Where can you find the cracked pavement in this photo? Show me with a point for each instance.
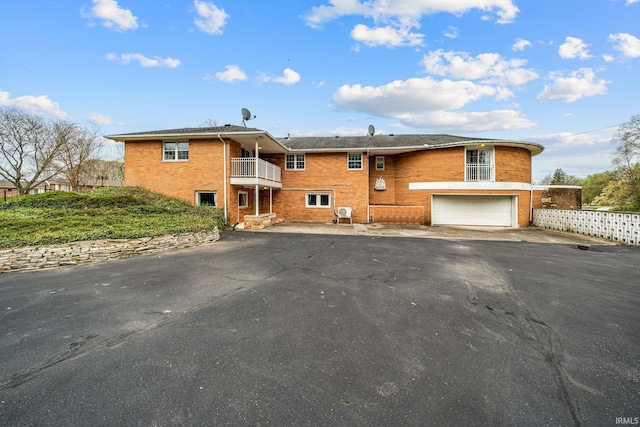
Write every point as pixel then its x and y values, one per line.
pixel 317 329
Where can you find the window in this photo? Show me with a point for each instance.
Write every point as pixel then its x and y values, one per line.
pixel 176 151
pixel 354 161
pixel 245 153
pixel 294 161
pixel 243 199
pixel 206 198
pixel 318 200
pixel 479 165
pixel 379 163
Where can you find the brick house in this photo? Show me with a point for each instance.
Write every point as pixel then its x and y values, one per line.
pixel 396 179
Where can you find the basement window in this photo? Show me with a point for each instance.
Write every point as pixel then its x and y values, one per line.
pixel 318 200
pixel 243 199
pixel 206 198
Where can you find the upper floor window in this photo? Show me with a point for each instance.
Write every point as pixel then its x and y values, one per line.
pixel 176 151
pixel 379 163
pixel 294 161
pixel 354 161
pixel 479 165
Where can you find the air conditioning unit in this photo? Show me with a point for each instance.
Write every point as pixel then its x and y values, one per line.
pixel 344 212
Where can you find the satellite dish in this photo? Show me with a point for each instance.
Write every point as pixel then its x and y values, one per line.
pixel 371 131
pixel 246 115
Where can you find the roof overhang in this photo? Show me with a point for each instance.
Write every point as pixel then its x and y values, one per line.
pixel 535 149
pixel 247 139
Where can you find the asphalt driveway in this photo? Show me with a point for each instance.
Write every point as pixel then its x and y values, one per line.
pixel 277 328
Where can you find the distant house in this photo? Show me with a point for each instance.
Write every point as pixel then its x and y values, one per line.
pixel 396 179
pixel 7 189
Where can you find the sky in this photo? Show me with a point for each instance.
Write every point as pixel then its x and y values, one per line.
pixel 561 73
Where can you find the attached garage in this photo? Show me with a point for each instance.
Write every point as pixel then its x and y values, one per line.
pixel 500 211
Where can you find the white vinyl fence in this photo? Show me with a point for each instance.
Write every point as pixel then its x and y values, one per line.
pixel 623 227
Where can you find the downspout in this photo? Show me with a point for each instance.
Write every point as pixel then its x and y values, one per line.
pixel 224 172
pixel 368 218
pixel 530 191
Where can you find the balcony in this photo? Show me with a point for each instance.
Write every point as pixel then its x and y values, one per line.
pixel 479 172
pixel 252 171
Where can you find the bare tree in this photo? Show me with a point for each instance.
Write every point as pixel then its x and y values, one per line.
pixel 27 149
pixel 77 145
pixel 97 170
pixel 626 158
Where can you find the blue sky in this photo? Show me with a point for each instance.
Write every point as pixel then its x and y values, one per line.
pixel 561 73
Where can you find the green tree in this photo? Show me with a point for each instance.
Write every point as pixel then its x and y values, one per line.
pixel 593 185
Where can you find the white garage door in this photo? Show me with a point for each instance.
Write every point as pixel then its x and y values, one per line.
pixel 473 210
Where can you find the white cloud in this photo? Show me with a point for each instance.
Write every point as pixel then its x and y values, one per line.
pixel 386 36
pixel 112 15
pixel 451 32
pixel 288 78
pixel 231 74
pixel 156 61
pixel 520 45
pixel 33 104
pixel 100 119
pixel 385 10
pixel 631 2
pixel 627 44
pixel 579 84
pixel 427 103
pixel 486 67
pixel 211 19
pixel 572 48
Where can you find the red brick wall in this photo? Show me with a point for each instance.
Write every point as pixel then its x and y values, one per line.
pixel 513 164
pixel 324 173
pixel 557 198
pixel 388 196
pixel 408 215
pixel 203 172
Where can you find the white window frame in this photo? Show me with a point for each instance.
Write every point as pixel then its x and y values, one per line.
pixel 176 151
pixel 318 200
pixel 379 163
pixel 215 198
pixel 480 171
pixel 246 199
pixel 351 158
pixel 298 159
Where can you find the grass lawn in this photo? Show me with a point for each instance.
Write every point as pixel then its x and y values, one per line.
pixel 106 213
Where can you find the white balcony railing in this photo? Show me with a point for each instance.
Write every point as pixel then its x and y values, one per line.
pixel 250 167
pixel 479 172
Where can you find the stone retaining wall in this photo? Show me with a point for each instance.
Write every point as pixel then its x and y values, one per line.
pixel 75 253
